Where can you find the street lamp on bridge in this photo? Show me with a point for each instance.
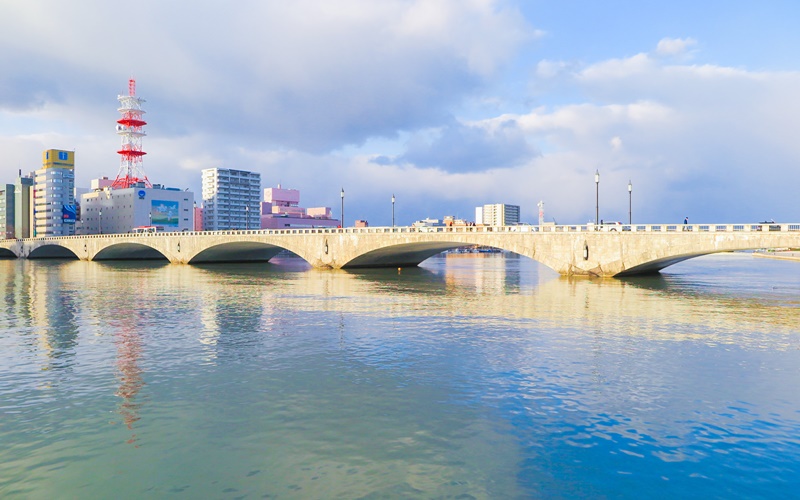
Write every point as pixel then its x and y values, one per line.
pixel 392 209
pixel 630 203
pixel 342 207
pixel 596 197
pixel 100 222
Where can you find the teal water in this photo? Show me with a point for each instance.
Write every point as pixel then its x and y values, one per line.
pixel 470 377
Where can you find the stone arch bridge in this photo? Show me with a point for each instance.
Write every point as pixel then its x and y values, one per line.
pixel 569 250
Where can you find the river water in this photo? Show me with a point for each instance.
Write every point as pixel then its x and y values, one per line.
pixel 483 376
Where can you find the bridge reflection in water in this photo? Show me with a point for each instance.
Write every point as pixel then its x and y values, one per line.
pixel 489 289
pixel 569 250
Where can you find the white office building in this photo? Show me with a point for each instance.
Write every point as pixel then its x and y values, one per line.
pixel 54 210
pixel 497 214
pixel 111 211
pixel 231 199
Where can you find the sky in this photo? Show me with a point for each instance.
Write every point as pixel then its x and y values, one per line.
pixel 445 104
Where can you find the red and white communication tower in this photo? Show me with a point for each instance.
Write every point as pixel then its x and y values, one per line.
pixel 129 127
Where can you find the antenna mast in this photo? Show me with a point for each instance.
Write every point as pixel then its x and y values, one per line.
pixel 129 128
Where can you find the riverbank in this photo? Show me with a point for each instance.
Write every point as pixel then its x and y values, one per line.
pixel 783 255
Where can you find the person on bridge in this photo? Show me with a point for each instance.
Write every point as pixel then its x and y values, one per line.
pixel 686 220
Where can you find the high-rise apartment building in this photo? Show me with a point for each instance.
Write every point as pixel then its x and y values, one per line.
pixel 231 199
pixel 497 214
pixel 54 194
pixel 6 211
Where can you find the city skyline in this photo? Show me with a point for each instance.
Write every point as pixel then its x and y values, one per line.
pixel 445 105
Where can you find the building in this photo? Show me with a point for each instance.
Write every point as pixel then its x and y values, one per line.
pixel 23 206
pixel 105 210
pixel 54 210
pixel 281 209
pixel 497 214
pixel 198 217
pixel 429 222
pixel 230 199
pixel 452 220
pixel 6 211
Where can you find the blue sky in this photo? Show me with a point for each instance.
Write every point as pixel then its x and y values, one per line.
pixel 447 104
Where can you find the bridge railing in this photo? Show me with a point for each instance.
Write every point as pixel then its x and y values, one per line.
pixel 523 228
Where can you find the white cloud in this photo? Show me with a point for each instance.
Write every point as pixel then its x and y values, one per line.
pixel 698 138
pixel 671 47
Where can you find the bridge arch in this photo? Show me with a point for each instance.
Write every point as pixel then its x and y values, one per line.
pixel 405 254
pixel 237 251
pixel 52 250
pixel 129 250
pixel 7 253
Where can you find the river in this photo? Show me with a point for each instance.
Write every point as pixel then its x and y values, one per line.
pixel 477 376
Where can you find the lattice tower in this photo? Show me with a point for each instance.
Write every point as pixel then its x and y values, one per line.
pixel 129 128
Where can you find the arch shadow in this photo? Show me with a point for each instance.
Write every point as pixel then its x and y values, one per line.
pixel 402 255
pixel 237 251
pixel 129 251
pixel 52 251
pixel 5 253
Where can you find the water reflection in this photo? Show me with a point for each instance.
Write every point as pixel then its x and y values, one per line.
pixel 45 305
pixel 252 297
pixel 131 381
pixel 382 382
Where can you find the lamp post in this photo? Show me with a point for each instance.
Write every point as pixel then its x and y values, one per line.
pixel 392 209
pixel 246 217
pixel 630 202
pixel 150 218
pixel 342 207
pixel 596 197
pixel 100 222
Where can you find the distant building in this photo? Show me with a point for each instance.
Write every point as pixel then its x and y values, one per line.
pixel 23 206
pixel 230 199
pixel 198 218
pixel 428 223
pixel 362 223
pixel 498 214
pixel 281 210
pixel 55 212
pixel 451 220
pixel 110 211
pixel 6 211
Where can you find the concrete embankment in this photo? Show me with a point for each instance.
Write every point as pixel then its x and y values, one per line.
pixel 783 255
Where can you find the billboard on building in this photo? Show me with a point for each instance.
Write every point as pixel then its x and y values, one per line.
pixel 164 213
pixel 69 214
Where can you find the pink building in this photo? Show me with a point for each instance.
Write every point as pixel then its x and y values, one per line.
pixel 280 210
pixel 198 218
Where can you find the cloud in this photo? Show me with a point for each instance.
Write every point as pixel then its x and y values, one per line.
pixel 711 140
pixel 670 47
pixel 309 75
pixel 460 147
